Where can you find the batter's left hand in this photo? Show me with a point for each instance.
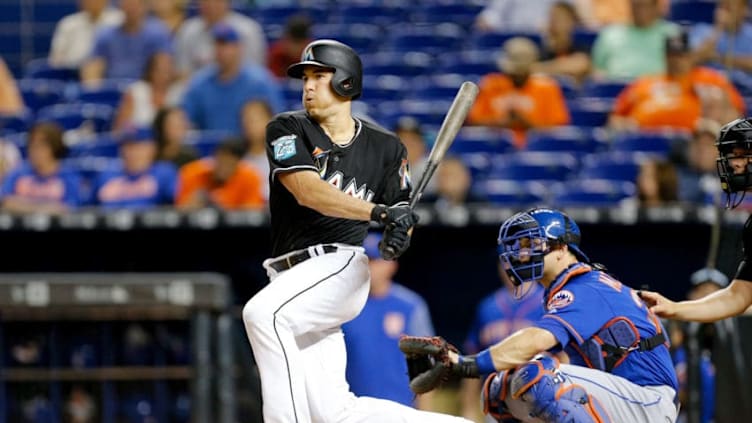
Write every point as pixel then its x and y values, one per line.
pixel 395 242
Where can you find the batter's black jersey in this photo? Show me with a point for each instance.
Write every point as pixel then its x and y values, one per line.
pixel 372 167
pixel 745 268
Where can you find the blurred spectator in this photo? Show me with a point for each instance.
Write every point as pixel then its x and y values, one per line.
pixel 256 114
pixel 657 183
pixel 514 15
pixel 172 13
pixel 223 181
pixel 698 177
pixel 194 44
pixel 704 282
pixel 122 51
pixel 411 134
pixel 288 48
pixel 74 35
pixel 597 14
pixel 674 98
pixel 137 182
pixel 561 55
pixel 517 99
pixel 390 311
pixel 453 194
pixel 171 132
pixel 215 95
pixel 142 99
pixel 727 43
pixel 626 51
pixel 10 98
pixel 42 183
pixel 10 157
pixel 497 316
pixel 80 406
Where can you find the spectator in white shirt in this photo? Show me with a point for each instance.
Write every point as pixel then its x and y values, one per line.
pixel 74 35
pixel 194 43
pixel 514 15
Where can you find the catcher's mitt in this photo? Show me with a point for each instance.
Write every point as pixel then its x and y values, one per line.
pixel 428 362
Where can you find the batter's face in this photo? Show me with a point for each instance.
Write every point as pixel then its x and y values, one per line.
pixel 318 96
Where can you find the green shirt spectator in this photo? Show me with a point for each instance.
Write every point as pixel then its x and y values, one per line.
pixel 628 51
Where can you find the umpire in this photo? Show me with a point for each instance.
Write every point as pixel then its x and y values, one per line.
pixel 330 174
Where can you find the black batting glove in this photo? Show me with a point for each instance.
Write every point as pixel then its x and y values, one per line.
pixel 394 243
pixel 397 216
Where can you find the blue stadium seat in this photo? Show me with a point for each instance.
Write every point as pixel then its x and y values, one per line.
pixel 108 92
pixel 434 13
pixel 603 89
pixel 138 408
pixel 91 166
pixel 428 113
pixel 593 193
pixel 656 143
pixel 589 111
pixel 206 141
pixel 534 166
pixel 40 93
pixel 41 69
pixel 433 40
pixel 378 14
pixel 292 90
pixel 437 87
pixel 400 64
pixel 690 12
pixel 15 123
pixel 585 38
pixel 565 139
pixel 385 88
pixel 479 164
pixel 278 14
pixel 103 145
pixel 515 193
pixel 363 37
pixel 73 116
pixel 481 139
pixel 494 40
pixel 617 166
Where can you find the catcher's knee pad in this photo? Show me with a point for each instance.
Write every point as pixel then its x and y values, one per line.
pixel 551 396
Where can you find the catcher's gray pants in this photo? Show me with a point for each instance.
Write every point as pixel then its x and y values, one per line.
pixel 293 325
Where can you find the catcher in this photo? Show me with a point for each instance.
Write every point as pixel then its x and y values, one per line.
pixel 619 367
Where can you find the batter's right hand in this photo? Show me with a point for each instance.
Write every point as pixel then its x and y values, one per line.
pixel 396 216
pixel 658 304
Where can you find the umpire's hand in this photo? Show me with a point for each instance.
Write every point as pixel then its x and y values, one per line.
pixel 394 216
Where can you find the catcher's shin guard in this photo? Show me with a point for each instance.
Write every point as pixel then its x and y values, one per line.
pixel 538 389
pixel 495 390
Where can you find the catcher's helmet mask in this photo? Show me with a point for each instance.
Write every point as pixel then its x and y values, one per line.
pixel 526 238
pixel 337 57
pixel 735 142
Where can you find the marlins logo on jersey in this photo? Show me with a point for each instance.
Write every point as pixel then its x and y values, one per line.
pixel 320 159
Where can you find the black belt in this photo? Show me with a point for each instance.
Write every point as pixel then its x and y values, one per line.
pixel 299 257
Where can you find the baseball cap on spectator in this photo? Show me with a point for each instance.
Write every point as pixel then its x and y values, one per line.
pixel 371 244
pixel 709 274
pixel 225 33
pixel 677 43
pixel 132 135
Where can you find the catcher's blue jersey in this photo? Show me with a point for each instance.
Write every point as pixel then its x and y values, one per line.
pixel 582 301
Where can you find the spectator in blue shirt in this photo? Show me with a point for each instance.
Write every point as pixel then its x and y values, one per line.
pixel 122 51
pixel 215 96
pixel 138 181
pixel 42 183
pixel 390 311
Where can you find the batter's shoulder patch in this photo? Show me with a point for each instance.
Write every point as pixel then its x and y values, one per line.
pixel 560 300
pixel 284 147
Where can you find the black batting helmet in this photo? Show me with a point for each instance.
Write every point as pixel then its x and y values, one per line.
pixel 348 70
pixel 735 141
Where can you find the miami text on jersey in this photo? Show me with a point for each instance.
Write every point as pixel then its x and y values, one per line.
pixel 351 188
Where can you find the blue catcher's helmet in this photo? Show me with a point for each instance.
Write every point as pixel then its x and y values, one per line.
pixel 525 238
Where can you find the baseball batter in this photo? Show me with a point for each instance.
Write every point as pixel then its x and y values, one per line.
pixel 620 369
pixel 331 174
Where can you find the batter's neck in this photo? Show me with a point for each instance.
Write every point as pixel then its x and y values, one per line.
pixel 339 127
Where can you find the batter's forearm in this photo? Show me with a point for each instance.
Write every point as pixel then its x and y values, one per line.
pixel 332 202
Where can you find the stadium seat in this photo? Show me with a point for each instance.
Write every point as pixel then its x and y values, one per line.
pixel 481 139
pixel 108 92
pixel 691 12
pixel 400 64
pixel 589 111
pixel 433 40
pixel 437 87
pixel 429 113
pixel 96 117
pixel 479 164
pixel 40 93
pixel 103 145
pixel 617 166
pixel 512 192
pixel 435 13
pixel 564 139
pixel 593 193
pixel 585 38
pixel 655 143
pixel 603 89
pixel 534 166
pixel 41 69
pixel 206 141
pixel 278 14
pixel 14 123
pixel 363 37
pixel 494 40
pixel 384 88
pixel 378 14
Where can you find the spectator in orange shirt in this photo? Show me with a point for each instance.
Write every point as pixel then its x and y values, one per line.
pixel 517 99
pixel 223 181
pixel 675 99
